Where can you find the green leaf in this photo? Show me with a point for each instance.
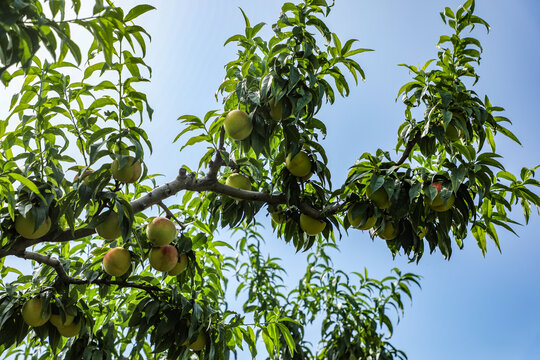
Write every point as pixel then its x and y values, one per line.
pixel 506 175
pixel 480 236
pixel 268 342
pixel 376 183
pixel 288 337
pixel 508 134
pixel 457 176
pixel 196 139
pixel 237 37
pixel 246 20
pixel 357 51
pixel 137 11
pixel 26 182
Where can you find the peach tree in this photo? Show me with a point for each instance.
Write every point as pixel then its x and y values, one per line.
pixel 129 266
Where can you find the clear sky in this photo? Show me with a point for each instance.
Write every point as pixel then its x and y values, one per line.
pixel 469 307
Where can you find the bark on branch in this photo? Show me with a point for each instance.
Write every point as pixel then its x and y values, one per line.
pixel 184 181
pixel 408 149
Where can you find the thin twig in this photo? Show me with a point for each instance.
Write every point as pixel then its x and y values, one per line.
pixel 31 22
pixel 410 145
pixel 171 215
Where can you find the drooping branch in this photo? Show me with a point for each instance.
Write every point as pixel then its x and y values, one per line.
pixel 64 277
pixel 18 247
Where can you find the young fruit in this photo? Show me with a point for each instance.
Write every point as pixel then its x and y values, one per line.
pixel 26 226
pixel 276 110
pixel 299 165
pixel 70 330
pixel 31 313
pixel 199 343
pixel 163 258
pixel 310 225
pixel 438 203
pixel 238 181
pixel 129 173
pixel 109 229
pixel 238 125
pixel 117 261
pixel 161 231
pixel 56 320
pixel 389 232
pixel 379 197
pixel 180 267
pixel 370 222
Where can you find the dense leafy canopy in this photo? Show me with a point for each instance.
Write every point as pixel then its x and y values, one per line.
pixel 72 155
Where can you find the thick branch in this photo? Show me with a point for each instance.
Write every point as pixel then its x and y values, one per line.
pixel 218 160
pixel 183 181
pixel 186 181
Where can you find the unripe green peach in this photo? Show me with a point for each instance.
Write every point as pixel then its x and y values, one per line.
pixel 161 231
pixel 26 226
pixel 310 225
pixel 129 173
pixel 56 320
pixel 180 267
pixel 238 125
pixel 199 343
pixel 117 261
pixel 84 176
pixel 238 181
pixel 276 111
pixel 31 313
pixel 109 229
pixel 299 165
pixel 279 217
pixel 379 197
pixel 70 330
pixel 389 232
pixel 370 222
pixel 452 132
pixel 163 258
pixel 438 203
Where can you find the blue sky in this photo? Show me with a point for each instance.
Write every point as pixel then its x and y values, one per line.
pixel 469 307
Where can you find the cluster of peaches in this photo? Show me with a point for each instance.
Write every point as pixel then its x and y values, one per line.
pixel 116 262
pixel 163 256
pixel 238 126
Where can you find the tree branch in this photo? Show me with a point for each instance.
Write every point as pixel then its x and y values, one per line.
pixel 64 277
pixel 183 181
pixel 171 215
pixel 410 145
pixel 218 160
pixel 18 247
